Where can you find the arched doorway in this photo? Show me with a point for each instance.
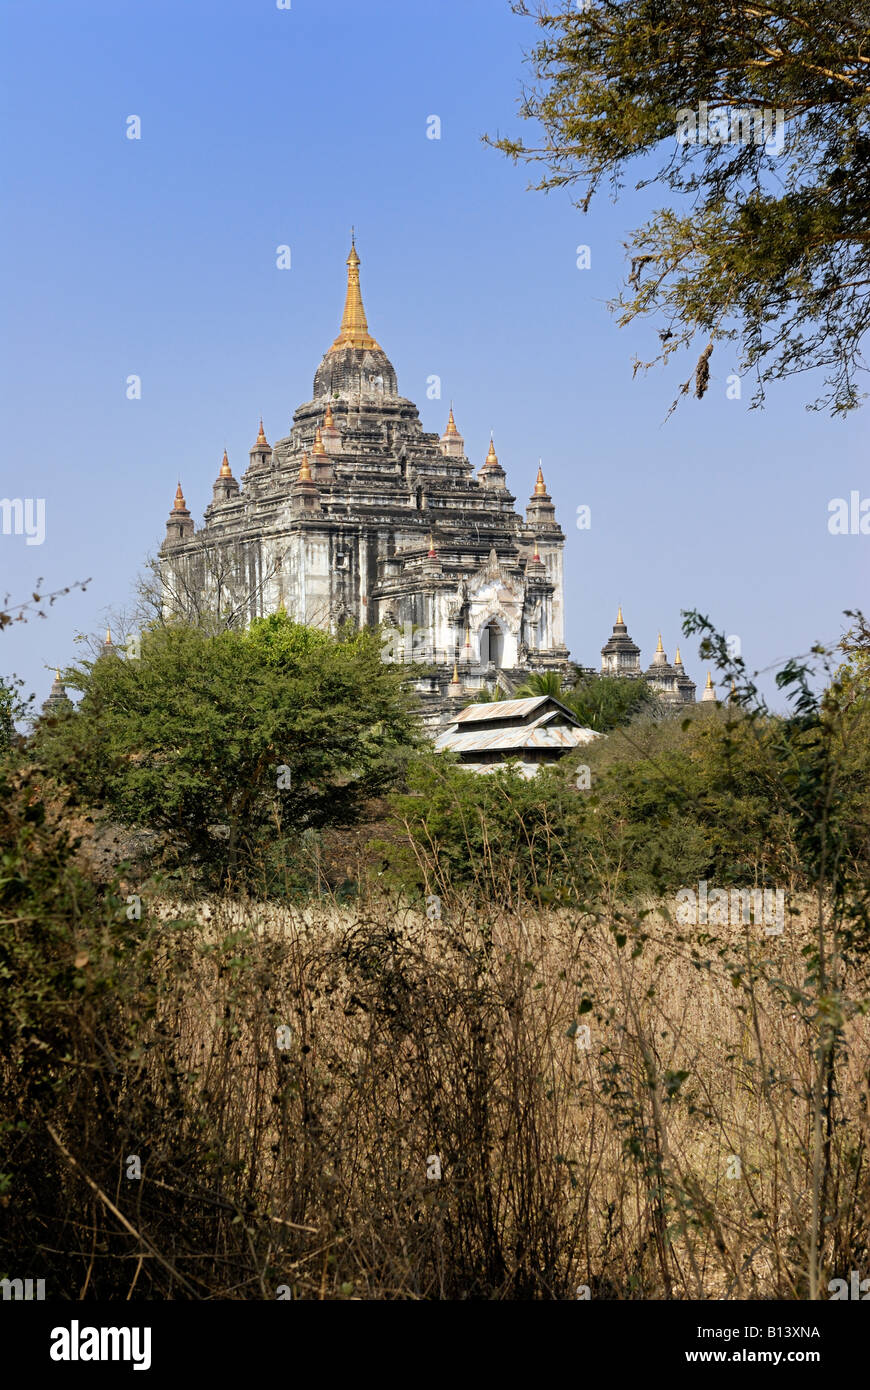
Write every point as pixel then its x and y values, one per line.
pixel 491 644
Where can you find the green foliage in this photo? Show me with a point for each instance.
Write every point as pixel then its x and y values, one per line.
pixel 12 708
pixel 485 696
pixel 599 702
pixel 733 794
pixel 765 245
pixel 190 737
pixel 501 834
pixel 61 937
pixel 607 702
pixel 540 683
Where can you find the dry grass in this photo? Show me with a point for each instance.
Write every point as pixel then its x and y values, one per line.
pixel 672 1157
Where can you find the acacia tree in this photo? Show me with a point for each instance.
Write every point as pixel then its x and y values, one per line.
pixel 754 117
pixel 226 740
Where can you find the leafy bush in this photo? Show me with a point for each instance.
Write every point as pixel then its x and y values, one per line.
pixel 225 741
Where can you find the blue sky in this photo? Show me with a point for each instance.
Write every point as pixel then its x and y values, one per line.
pixel 263 127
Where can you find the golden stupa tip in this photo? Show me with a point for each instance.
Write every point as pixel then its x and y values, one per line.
pixel 678 660
pixel 108 638
pixel 261 437
pixel 226 471
pixel 619 615
pixel 451 424
pixel 305 470
pixel 57 673
pixel 540 485
pixel 455 677
pixel 660 648
pixel 319 448
pixel 329 421
pixel 709 685
pixel 492 456
pixel 354 331
pixel 179 499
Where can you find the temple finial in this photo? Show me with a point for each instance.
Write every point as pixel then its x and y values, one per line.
pixel 354 330
pixel 709 685
pixel 261 437
pixel 660 648
pixel 540 485
pixel 451 423
pixel 619 619
pixel 304 470
pixel 492 457
pixel 226 471
pixel 180 504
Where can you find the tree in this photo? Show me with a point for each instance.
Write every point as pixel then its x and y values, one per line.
pixel 540 683
pixel 12 708
pixel 223 739
pixel 203 587
pixel 15 612
pixel 754 117
pixel 606 702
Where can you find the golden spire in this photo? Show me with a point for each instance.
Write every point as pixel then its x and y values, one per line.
pixel 619 616
pixel 226 471
pixel 354 330
pixel 540 485
pixel 57 673
pixel 451 423
pixel 454 680
pixel 709 685
pixel 659 648
pixel 319 449
pixel 304 470
pixel 261 437
pixel 180 504
pixel 678 660
pixel 492 456
pixel 329 421
pixel 432 552
pixel 108 638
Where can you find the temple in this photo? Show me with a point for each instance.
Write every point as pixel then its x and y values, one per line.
pixel 360 516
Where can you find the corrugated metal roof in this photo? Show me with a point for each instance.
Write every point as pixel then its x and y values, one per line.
pixel 493 740
pixel 500 709
pixel 510 709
